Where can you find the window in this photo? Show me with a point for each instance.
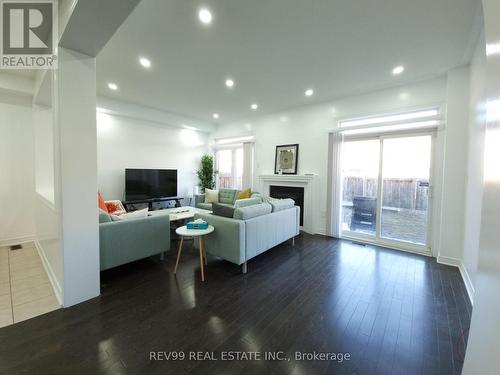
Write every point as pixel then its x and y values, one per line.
pixel 230 166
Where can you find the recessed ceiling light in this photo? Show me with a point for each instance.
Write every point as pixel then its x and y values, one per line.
pixel 229 82
pixel 112 86
pixel 309 92
pixel 205 16
pixel 254 106
pixel 215 116
pixel 145 62
pixel 398 70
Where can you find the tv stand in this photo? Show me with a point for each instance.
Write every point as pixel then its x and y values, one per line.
pixel 151 201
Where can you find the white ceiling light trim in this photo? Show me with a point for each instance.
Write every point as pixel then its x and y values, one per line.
pixel 112 86
pixel 229 83
pixel 205 16
pixel 146 63
pixel 215 116
pixel 254 106
pixel 309 92
pixel 398 70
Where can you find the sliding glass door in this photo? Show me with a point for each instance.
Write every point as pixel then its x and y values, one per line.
pixel 405 188
pixel 360 171
pixel 386 183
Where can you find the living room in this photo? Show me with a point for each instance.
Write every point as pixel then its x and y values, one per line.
pixel 347 203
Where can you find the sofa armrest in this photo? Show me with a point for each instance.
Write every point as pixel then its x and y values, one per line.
pixel 227 240
pixel 125 241
pixel 199 198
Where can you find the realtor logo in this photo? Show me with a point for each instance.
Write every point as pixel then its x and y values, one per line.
pixel 29 34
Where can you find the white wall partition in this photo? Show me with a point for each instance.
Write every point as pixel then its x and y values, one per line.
pixel 47 200
pixel 474 190
pixel 78 175
pixel 482 347
pixel 454 159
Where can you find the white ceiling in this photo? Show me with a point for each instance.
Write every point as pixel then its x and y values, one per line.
pixel 275 49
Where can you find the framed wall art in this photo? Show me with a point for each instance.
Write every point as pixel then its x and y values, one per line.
pixel 286 159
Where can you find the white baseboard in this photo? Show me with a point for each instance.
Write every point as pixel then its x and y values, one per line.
pixel 16 241
pixel 449 261
pixel 468 283
pixel 50 272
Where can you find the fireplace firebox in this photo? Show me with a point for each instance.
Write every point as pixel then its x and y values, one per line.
pixel 293 192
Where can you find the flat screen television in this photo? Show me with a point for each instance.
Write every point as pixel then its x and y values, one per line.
pixel 143 184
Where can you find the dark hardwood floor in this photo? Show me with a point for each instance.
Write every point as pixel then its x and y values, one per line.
pixel 394 312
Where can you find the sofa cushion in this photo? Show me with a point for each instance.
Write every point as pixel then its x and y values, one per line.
pixel 204 206
pixel 247 202
pixel 227 196
pixel 104 217
pixel 281 204
pixel 247 193
pixel 131 215
pixel 258 195
pixel 211 196
pixel 222 210
pixel 245 213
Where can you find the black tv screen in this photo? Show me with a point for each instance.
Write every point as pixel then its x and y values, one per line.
pixel 150 183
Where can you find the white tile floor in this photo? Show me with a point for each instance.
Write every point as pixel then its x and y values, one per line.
pixel 25 289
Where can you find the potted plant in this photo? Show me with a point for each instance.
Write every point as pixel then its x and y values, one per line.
pixel 206 173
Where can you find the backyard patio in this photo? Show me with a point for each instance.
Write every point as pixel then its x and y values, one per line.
pixel 398 224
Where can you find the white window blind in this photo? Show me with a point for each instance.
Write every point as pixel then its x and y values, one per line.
pixel 405 121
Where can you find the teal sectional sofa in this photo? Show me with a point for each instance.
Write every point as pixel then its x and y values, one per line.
pixel 252 230
pixel 125 241
pixel 227 197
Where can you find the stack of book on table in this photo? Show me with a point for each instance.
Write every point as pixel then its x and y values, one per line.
pixel 197 224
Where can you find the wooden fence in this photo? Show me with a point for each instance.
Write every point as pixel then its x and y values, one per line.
pixel 400 193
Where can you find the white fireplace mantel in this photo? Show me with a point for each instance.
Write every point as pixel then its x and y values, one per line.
pixel 307 181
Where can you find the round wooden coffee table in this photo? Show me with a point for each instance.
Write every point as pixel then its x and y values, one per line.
pixel 200 233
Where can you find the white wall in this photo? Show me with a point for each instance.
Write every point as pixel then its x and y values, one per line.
pixel 78 175
pixel 43 120
pixel 482 348
pixel 16 173
pixel 474 189
pixel 451 227
pixel 308 126
pixel 133 143
pixel 47 208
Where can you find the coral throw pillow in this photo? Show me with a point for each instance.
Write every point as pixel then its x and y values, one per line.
pixel 247 193
pixel 115 207
pixel 101 203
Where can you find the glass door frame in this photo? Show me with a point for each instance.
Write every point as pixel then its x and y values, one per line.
pixel 377 239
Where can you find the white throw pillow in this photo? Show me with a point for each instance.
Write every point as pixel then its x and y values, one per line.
pixel 211 196
pixel 131 215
